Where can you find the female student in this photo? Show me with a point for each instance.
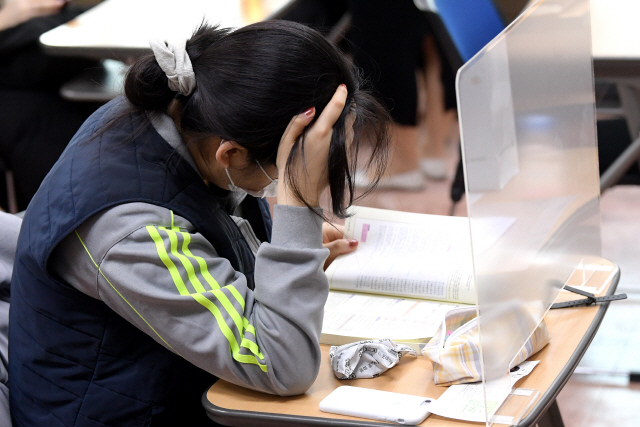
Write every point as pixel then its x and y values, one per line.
pixel 147 264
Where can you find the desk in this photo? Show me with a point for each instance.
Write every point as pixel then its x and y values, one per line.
pixel 616 57
pixel 615 33
pixel 571 333
pixel 121 29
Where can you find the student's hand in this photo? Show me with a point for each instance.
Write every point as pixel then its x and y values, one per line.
pixel 15 12
pixel 332 240
pixel 311 174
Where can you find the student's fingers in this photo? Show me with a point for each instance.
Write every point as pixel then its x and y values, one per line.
pixel 297 124
pixel 291 134
pixel 332 112
pixel 331 232
pixel 339 247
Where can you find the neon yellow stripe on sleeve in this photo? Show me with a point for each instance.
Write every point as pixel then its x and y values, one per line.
pixel 186 239
pixel 253 347
pixel 241 323
pixel 239 320
pixel 248 327
pixel 164 257
pixel 173 225
pixel 236 295
pixel 203 300
pixel 233 344
pixel 191 274
pixel 121 296
pixel 230 309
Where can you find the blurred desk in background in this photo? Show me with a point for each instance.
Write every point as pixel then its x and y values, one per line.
pixel 121 29
pixel 615 29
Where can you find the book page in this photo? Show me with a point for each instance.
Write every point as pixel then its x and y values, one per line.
pixel 403 254
pixel 350 317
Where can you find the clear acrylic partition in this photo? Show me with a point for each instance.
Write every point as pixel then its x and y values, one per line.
pixel 527 119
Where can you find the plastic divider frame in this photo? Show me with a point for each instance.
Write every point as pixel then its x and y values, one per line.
pixel 527 122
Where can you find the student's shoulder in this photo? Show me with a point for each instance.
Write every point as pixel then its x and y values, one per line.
pixel 100 235
pixel 127 217
pixel 110 226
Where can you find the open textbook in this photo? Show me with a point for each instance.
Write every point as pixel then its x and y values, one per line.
pixel 408 271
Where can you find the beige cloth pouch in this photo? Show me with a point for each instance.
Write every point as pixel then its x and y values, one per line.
pixel 455 348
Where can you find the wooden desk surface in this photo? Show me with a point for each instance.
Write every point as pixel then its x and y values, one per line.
pixel 571 332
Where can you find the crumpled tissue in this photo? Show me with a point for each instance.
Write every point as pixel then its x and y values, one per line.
pixel 366 359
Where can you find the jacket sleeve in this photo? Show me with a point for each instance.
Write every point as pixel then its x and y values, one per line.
pixel 156 271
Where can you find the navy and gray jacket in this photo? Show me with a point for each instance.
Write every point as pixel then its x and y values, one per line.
pixel 136 285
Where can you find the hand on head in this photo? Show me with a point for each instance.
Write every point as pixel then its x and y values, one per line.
pixel 309 168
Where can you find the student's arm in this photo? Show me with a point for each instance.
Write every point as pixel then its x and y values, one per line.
pixel 166 279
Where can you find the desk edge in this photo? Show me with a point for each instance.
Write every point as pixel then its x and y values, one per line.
pixel 240 418
pixel 97 53
pixel 556 386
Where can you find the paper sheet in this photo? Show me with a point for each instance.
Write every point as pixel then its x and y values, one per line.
pixel 466 401
pixel 360 316
pixel 522 370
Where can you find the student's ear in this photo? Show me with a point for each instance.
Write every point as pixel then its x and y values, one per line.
pixel 230 154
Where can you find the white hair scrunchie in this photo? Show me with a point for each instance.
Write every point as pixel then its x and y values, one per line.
pixel 174 61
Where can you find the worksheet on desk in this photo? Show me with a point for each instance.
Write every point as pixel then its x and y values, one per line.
pixel 467 401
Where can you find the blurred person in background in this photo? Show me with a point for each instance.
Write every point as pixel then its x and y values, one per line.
pixel 390 42
pixel 35 123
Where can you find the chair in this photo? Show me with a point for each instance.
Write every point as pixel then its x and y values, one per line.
pixel 469 25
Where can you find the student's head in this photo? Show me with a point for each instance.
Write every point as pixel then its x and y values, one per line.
pixel 249 84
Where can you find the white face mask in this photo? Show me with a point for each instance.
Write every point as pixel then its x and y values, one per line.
pixel 271 190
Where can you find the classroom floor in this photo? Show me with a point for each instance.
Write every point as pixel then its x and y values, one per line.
pixel 587 400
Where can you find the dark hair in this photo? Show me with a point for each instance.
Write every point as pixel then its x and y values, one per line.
pixel 252 81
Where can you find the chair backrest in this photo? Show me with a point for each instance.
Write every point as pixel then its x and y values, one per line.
pixel 469 25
